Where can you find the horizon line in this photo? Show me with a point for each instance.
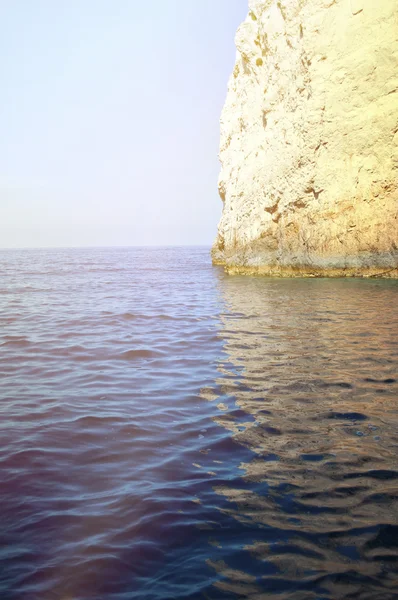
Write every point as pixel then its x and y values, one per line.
pixel 105 246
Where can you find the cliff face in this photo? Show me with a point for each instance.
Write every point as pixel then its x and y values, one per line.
pixel 309 141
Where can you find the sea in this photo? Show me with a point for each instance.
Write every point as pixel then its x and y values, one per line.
pixel 171 432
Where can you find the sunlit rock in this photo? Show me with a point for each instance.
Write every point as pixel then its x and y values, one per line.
pixel 309 141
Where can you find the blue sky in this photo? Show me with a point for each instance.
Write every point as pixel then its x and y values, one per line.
pixel 109 118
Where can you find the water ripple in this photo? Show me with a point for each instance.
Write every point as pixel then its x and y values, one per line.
pixel 170 432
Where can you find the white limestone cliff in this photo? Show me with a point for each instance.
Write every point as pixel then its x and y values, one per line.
pixel 309 141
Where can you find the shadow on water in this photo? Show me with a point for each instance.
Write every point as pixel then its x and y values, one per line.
pixel 309 386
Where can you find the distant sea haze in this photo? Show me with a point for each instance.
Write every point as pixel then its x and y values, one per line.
pixel 171 432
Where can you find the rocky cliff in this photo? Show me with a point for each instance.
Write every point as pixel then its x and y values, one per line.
pixel 309 141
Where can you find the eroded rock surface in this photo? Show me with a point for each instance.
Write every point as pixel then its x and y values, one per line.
pixel 309 141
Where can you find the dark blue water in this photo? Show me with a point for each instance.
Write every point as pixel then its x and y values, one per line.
pixel 167 431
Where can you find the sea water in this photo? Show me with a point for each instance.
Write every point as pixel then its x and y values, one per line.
pixel 171 432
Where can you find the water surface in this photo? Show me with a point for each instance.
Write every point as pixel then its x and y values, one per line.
pixel 169 432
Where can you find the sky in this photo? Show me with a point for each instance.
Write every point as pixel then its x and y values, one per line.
pixel 109 119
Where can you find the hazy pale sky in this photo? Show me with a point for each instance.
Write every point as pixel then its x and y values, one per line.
pixel 109 117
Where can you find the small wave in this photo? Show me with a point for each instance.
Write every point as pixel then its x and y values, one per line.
pixel 350 416
pixel 19 342
pixel 389 380
pixel 139 353
pixel 128 316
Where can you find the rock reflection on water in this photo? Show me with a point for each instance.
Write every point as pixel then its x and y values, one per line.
pixel 308 385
